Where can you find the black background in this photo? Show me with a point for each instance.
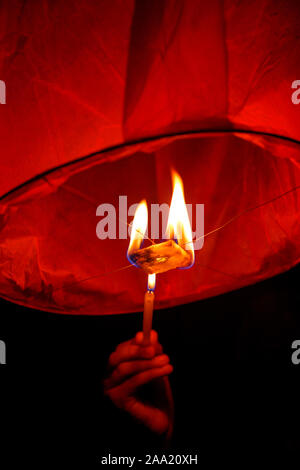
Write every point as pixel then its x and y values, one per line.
pixel 236 390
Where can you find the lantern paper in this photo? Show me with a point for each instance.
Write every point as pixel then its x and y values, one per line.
pixel 103 99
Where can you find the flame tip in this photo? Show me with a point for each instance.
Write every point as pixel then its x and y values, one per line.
pixel 178 226
pixel 139 227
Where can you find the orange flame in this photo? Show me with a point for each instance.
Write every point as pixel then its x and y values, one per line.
pixel 178 225
pixel 151 281
pixel 139 227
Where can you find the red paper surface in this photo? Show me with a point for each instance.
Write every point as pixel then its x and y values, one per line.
pixel 84 77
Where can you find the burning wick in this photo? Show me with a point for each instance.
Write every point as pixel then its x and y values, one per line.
pixel 177 252
pixel 148 308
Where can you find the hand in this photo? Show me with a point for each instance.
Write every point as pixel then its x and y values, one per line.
pixel 138 383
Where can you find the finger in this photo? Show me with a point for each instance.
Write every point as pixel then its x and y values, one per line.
pixel 156 420
pixel 129 352
pixel 139 337
pixel 128 369
pixel 153 337
pixel 131 384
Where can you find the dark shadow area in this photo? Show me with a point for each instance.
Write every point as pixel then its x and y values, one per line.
pixel 235 387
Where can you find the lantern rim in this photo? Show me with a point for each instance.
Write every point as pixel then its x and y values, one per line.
pixel 132 143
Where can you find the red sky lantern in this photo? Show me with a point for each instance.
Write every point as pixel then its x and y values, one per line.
pixel 103 100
